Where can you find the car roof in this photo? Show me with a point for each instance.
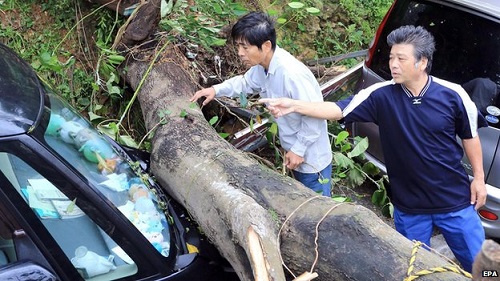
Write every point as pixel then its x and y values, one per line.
pixel 21 96
pixel 490 7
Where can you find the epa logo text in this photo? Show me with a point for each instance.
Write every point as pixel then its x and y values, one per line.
pixel 489 273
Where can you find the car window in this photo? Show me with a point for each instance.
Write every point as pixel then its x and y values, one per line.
pixel 93 253
pixel 7 250
pixel 110 173
pixel 467 46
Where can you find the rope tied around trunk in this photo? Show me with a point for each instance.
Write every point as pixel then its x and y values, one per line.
pixel 410 275
pixel 308 275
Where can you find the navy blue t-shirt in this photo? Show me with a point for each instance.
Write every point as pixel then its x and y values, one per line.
pixel 418 137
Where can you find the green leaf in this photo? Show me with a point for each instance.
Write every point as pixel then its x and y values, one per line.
pixel 50 62
pixel 359 148
pixel 193 105
pixel 273 129
pixel 166 7
pixel 110 129
pixel 341 199
pixel 356 177
pixel 379 197
pixel 218 42
pixel 313 11
pixel 341 137
pixel 213 120
pixel 36 64
pixel 212 29
pixel 296 5
pixel 272 12
pixel 388 210
pixel 370 169
pixel 346 147
pixel 127 140
pixel 243 100
pixel 85 101
pixel 183 113
pixel 93 116
pixel 342 160
pixel 223 135
pixel 323 180
pixel 342 175
pixel 281 20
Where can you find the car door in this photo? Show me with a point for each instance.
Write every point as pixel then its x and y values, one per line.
pixel 20 251
pixel 117 249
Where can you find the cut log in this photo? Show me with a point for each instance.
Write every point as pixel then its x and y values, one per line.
pixel 487 262
pixel 293 230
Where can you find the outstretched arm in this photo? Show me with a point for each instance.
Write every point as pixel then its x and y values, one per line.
pixel 321 110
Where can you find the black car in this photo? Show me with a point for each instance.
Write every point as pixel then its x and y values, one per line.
pixel 467 34
pixel 74 205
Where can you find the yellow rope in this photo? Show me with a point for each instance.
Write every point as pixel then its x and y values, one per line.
pixel 410 275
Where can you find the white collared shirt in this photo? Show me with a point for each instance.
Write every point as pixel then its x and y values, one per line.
pixel 288 77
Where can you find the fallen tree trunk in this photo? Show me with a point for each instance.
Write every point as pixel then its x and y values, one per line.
pixel 243 207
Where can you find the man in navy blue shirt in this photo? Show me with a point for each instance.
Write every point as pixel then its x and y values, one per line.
pixel 419 117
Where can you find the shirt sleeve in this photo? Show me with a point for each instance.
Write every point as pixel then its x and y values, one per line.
pixel 301 88
pixel 469 118
pixel 234 86
pixel 359 108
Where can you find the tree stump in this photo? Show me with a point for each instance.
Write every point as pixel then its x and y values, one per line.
pixel 486 265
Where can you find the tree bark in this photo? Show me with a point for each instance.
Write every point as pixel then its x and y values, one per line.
pixel 244 207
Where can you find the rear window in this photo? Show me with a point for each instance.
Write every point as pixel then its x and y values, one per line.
pixel 467 44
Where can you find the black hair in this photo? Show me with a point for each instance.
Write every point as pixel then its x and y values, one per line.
pixel 255 28
pixel 421 40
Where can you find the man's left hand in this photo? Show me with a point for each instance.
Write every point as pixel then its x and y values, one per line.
pixel 478 193
pixel 293 160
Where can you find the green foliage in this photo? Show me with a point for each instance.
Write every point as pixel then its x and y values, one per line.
pixel 350 167
pixel 200 24
pixel 294 21
pixel 49 51
pixel 60 10
pixel 55 65
pixel 297 14
pixel 353 30
pixel 366 14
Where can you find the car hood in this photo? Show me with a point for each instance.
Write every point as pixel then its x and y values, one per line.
pixel 21 98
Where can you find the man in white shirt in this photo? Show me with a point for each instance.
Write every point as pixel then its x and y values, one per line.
pixel 275 73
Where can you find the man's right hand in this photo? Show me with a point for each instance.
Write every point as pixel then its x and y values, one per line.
pixel 278 106
pixel 208 93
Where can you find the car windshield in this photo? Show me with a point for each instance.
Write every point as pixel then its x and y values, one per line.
pixel 74 138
